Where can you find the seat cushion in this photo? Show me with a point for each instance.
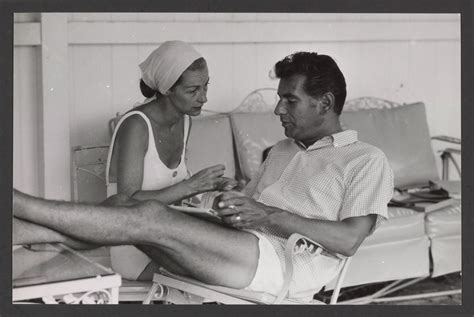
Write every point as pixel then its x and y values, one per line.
pixel 398 259
pixel 446 253
pixel 403 224
pixel 382 256
pixel 210 143
pixel 444 230
pixel 253 133
pixel 444 222
pixel 402 134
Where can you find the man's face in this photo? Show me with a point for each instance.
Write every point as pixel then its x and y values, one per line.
pixel 298 111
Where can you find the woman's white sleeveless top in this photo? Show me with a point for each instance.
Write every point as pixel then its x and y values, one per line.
pixel 156 175
pixel 128 261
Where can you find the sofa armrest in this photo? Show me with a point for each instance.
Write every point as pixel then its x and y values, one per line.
pixel 447 154
pixel 446 138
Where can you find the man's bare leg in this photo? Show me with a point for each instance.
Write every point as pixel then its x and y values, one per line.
pixel 206 251
pixel 24 232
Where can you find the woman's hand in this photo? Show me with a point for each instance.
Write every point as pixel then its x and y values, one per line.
pixel 207 179
pixel 226 184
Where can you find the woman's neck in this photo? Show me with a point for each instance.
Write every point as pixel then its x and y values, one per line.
pixel 164 113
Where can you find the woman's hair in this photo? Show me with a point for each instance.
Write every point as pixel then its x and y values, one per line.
pixel 148 92
pixel 321 72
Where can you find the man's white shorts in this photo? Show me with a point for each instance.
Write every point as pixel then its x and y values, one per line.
pixel 269 275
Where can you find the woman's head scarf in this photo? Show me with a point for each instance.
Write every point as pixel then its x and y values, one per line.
pixel 164 66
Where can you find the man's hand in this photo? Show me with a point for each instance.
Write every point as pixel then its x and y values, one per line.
pixel 243 212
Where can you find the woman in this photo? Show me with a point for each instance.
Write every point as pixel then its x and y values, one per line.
pixel 147 153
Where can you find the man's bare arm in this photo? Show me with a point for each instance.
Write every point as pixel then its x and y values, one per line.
pixel 343 237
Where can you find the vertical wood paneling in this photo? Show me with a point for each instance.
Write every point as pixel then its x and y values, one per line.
pixel 443 109
pixel 124 16
pixel 448 78
pixel 91 95
pixel 215 17
pixel 153 17
pixel 266 17
pixel 299 17
pixel 26 111
pixel 125 78
pixel 351 63
pixel 267 56
pixel 244 72
pixel 244 17
pixel 187 17
pixel 145 50
pixel 104 78
pixel 220 90
pixel 55 161
pixel 92 16
pixel 369 76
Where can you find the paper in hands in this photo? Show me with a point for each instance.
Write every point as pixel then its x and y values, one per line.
pixel 200 207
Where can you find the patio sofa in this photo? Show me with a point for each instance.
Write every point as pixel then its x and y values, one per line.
pixel 410 245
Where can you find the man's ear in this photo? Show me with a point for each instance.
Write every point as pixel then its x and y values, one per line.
pixel 327 102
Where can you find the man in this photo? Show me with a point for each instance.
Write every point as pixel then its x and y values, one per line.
pixel 321 182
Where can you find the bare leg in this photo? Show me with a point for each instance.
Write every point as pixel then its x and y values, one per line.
pixel 25 232
pixel 160 260
pixel 206 251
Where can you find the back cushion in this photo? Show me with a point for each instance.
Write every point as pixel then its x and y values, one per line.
pixel 253 133
pixel 402 134
pixel 210 143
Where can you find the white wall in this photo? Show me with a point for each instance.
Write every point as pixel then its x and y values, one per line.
pixel 26 111
pixel 403 58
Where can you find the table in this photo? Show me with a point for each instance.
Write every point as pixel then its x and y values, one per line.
pixel 57 274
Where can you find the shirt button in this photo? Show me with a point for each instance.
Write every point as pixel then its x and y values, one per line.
pixel 175 173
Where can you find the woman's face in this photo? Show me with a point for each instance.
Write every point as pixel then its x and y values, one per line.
pixel 189 95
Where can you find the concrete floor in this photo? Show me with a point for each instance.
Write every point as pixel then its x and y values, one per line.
pixel 443 283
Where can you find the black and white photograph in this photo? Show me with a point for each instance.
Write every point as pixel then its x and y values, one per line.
pixel 236 158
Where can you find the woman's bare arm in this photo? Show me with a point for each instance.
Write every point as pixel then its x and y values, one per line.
pixel 133 143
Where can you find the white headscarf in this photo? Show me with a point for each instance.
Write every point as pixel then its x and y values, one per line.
pixel 166 64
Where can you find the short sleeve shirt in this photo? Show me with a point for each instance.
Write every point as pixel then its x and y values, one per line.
pixel 335 178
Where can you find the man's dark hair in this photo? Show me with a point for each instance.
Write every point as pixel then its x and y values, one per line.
pixel 321 72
